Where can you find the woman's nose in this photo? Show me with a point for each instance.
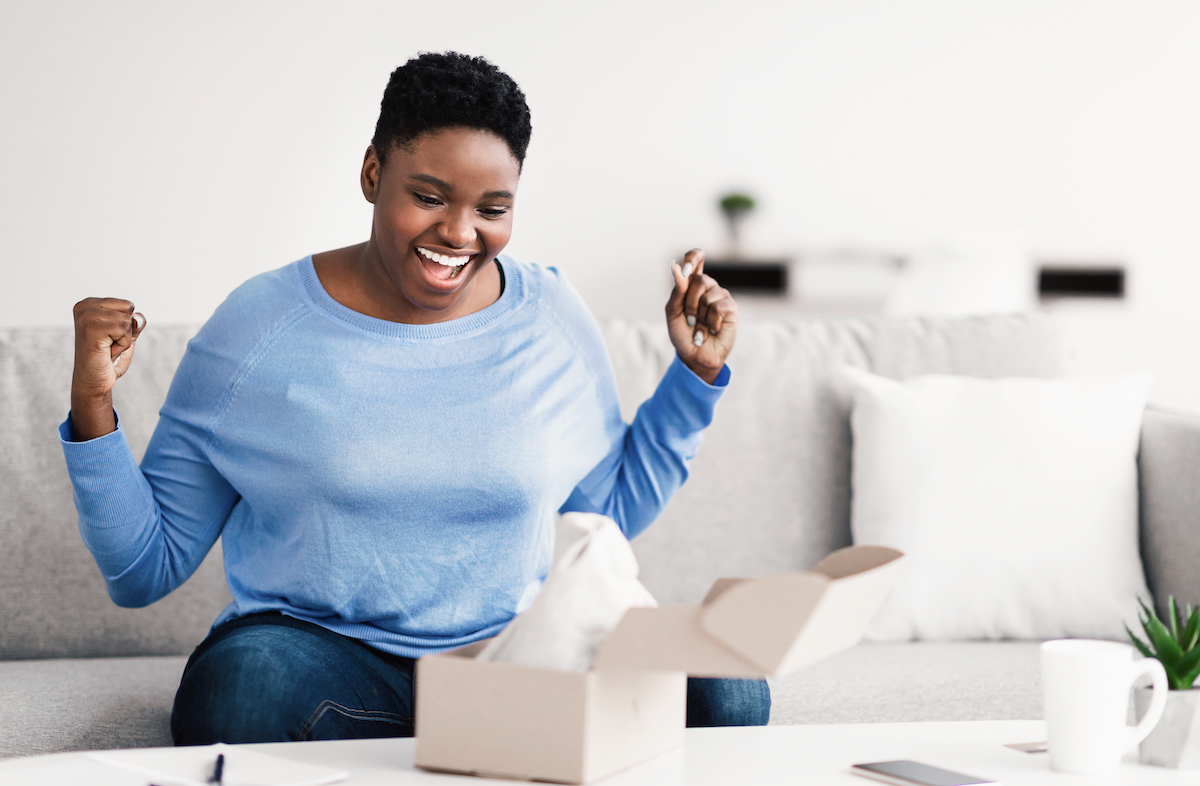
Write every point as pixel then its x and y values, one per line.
pixel 457 230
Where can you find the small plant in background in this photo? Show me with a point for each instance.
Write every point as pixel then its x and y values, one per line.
pixel 736 207
pixel 1175 648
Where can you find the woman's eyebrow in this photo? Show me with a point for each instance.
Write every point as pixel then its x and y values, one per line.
pixel 449 189
pixel 433 181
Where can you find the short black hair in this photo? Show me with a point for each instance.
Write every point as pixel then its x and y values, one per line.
pixel 437 90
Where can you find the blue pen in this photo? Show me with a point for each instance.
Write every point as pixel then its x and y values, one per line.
pixel 218 770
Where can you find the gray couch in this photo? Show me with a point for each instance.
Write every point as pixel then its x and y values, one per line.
pixel 770 491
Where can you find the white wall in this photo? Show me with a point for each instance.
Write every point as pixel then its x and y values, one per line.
pixel 164 152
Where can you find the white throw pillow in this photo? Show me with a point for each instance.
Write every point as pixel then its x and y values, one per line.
pixel 1016 501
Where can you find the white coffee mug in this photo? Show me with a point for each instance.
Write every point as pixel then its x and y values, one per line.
pixel 1086 687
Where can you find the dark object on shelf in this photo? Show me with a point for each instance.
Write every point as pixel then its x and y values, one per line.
pixel 1056 282
pixel 736 207
pixel 770 278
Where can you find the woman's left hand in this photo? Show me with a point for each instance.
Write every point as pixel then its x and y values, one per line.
pixel 701 318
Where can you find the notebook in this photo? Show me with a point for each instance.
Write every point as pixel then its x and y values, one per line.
pixel 194 766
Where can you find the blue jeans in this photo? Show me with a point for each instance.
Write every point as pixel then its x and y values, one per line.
pixel 268 677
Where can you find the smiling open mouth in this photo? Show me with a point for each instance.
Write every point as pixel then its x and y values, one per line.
pixel 447 266
pixel 442 259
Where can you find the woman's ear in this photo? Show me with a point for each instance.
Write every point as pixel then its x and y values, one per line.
pixel 371 170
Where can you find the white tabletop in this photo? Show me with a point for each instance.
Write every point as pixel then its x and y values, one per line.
pixel 791 755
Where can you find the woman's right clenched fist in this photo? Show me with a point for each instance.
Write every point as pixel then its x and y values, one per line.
pixel 105 332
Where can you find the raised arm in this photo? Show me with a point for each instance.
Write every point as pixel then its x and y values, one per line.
pixel 147 527
pixel 649 459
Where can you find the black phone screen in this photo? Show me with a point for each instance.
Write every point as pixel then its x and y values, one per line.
pixel 913 772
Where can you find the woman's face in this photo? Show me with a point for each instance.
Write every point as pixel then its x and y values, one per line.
pixel 443 211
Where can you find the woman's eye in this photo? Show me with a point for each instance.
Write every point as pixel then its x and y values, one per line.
pixel 427 200
pixel 492 212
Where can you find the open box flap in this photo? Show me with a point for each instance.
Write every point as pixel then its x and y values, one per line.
pixel 781 624
pixel 769 626
pixel 853 560
pixel 669 638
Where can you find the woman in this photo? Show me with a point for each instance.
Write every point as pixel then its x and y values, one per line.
pixel 382 434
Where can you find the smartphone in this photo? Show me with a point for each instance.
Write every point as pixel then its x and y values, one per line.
pixel 913 773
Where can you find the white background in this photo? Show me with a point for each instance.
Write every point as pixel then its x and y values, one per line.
pixel 165 152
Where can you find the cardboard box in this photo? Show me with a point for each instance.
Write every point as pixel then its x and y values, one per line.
pixel 501 720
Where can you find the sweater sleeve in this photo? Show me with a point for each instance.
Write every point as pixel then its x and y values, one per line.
pixel 147 527
pixel 649 458
pixel 150 526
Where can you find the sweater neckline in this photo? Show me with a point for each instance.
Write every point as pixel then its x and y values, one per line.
pixel 323 302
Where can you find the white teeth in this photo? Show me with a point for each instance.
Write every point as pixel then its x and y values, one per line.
pixel 442 259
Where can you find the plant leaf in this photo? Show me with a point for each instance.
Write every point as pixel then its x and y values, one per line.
pixel 1188 662
pixel 1142 648
pixel 1166 650
pixel 1192 630
pixel 1188 680
pixel 1176 622
pixel 1145 616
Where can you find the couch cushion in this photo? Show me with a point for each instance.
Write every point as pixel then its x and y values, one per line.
pixel 915 681
pixel 1015 500
pixel 66 705
pixel 1170 527
pixel 94 704
pixel 770 487
pixel 52 599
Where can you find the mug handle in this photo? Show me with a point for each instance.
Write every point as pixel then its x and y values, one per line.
pixel 1158 701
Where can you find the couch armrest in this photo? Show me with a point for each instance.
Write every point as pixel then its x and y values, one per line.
pixel 1169 464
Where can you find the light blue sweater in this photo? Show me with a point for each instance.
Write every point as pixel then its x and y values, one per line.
pixel 394 483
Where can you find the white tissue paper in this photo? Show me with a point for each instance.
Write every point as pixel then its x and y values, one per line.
pixel 589 588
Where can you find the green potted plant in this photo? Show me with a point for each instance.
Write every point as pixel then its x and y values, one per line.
pixel 1174 643
pixel 736 207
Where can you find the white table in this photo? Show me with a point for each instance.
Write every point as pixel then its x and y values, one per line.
pixel 762 756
